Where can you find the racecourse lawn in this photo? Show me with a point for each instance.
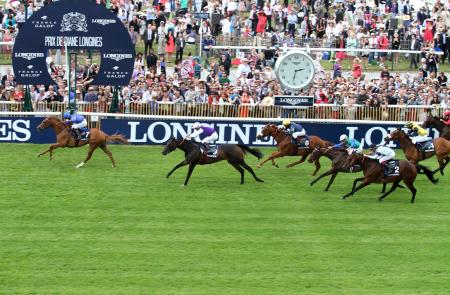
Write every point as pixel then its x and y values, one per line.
pixel 129 230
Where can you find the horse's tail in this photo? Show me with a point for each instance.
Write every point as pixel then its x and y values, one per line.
pixel 255 152
pixel 427 172
pixel 116 137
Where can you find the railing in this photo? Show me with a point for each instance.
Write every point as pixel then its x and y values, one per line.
pixel 321 111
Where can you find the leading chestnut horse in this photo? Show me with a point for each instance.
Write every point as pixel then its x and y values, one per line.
pixel 441 149
pixel 64 138
pixel 286 148
pixel 435 122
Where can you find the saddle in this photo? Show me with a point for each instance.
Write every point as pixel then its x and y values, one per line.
pixel 80 134
pixel 426 146
pixel 212 151
pixel 301 142
pixel 392 168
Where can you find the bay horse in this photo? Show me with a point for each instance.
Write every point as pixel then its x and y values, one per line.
pixel 435 122
pixel 338 159
pixel 286 148
pixel 193 156
pixel 441 149
pixel 64 138
pixel 374 173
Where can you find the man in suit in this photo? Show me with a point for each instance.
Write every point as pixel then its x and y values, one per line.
pixel 149 37
pixel 179 47
pixel 413 57
pixel 443 43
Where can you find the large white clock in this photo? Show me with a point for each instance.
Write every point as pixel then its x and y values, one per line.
pixel 295 70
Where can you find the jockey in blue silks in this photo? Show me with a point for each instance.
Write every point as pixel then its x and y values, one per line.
pixel 350 144
pixel 78 121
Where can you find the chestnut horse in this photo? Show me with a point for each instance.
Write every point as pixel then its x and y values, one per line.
pixel 441 149
pixel 64 138
pixel 193 156
pixel 374 173
pixel 286 148
pixel 435 122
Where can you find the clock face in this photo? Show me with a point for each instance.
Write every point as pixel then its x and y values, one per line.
pixel 295 70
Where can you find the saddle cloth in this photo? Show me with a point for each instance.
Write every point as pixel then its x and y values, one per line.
pixel 84 133
pixel 302 142
pixel 426 146
pixel 211 152
pixel 393 168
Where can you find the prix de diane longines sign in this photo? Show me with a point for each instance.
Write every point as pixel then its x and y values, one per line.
pixel 77 24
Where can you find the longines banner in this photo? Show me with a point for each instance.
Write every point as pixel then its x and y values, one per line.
pixel 294 101
pixel 157 132
pixel 77 24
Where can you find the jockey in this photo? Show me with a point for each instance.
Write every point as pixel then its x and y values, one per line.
pixel 350 144
pixel 416 133
pixel 296 130
pixel 382 153
pixel 77 120
pixel 211 134
pixel 446 118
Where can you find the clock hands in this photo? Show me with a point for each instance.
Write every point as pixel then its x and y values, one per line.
pixel 295 73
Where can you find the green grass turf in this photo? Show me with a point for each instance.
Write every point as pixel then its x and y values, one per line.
pixel 128 230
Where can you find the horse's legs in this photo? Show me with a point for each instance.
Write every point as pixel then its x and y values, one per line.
pixel 191 168
pixel 275 164
pixel 317 163
pixel 331 180
pixel 271 157
pixel 356 180
pixel 393 188
pixel 181 164
pixel 365 183
pixel 411 187
pixel 384 187
pixel 442 164
pixel 89 155
pixel 249 169
pixel 238 168
pixel 321 176
pixel 108 152
pixel 50 149
pixel 302 159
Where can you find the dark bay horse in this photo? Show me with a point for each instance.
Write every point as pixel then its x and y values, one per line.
pixel 435 122
pixel 64 138
pixel 374 173
pixel 338 159
pixel 441 149
pixel 286 148
pixel 233 153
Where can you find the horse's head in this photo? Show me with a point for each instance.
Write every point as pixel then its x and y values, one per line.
pixel 47 122
pixel 430 122
pixel 394 135
pixel 170 146
pixel 315 155
pixel 267 130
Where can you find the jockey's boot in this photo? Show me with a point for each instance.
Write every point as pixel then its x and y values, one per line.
pixel 419 146
pixel 385 168
pixel 205 148
pixel 77 134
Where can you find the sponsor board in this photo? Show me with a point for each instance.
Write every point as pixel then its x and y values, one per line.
pixel 157 132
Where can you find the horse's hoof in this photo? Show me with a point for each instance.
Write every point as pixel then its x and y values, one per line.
pixel 258 166
pixel 311 183
pixel 380 199
pixel 260 180
pixel 276 165
pixel 344 197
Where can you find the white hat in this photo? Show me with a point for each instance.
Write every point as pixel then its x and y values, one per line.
pixel 196 125
pixel 343 137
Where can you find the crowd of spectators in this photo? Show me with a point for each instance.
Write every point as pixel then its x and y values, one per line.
pixel 165 73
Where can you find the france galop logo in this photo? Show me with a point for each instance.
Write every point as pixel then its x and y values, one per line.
pixel 74 21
